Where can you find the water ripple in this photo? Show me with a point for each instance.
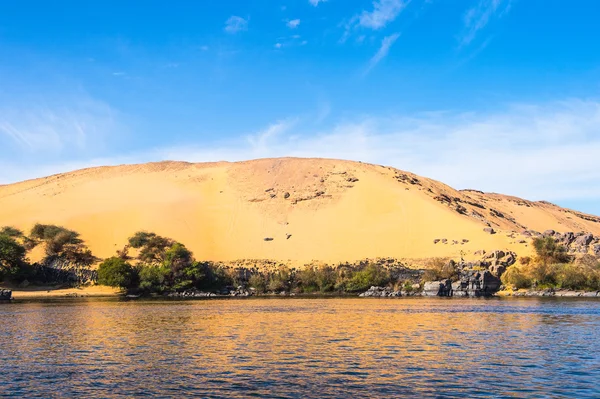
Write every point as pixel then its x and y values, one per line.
pixel 288 348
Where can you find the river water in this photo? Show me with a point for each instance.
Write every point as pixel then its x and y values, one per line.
pixel 309 348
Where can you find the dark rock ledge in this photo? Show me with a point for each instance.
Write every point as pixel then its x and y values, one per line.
pixel 5 295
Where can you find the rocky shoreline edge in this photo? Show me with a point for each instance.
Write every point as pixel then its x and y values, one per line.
pixel 373 292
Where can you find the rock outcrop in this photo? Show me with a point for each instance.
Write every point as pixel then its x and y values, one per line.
pixel 576 243
pixel 5 295
pixel 474 283
pixel 474 279
pixel 228 291
pixel 380 292
pixel 438 288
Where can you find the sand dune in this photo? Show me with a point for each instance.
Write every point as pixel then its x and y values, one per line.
pixel 309 209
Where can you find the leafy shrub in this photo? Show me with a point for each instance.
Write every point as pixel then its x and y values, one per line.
pixel 280 280
pixel 542 274
pixel 115 272
pixel 316 279
pixel 258 281
pixel 438 269
pixel 515 277
pixel 571 276
pixel 362 279
pixel 154 279
pixel 11 232
pixel 549 251
pixel 214 276
pixel 408 286
pixel 525 260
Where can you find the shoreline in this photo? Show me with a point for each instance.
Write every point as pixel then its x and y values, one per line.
pixel 107 292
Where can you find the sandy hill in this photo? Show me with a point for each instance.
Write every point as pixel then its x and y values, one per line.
pixel 283 209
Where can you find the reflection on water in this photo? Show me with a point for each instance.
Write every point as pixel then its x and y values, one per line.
pixel 335 348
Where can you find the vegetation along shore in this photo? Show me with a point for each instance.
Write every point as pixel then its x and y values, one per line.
pixel 152 265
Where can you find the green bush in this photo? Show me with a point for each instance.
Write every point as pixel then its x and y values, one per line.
pixel 542 274
pixel 549 251
pixel 258 281
pixel 154 279
pixel 437 269
pixel 316 279
pixel 280 280
pixel 116 272
pixel 515 277
pixel 214 277
pixel 363 278
pixel 11 232
pixel 571 276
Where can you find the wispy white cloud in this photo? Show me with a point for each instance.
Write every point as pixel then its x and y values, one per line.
pixel 236 24
pixel 383 51
pixel 477 17
pixel 315 3
pixel 289 41
pixel 293 24
pixel 53 128
pixel 384 12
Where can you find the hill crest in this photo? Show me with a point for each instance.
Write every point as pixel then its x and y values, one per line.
pixel 284 208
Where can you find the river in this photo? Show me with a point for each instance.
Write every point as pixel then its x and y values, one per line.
pixel 309 348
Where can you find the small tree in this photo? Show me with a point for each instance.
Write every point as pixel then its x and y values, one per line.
pixel 12 256
pixel 115 272
pixel 61 243
pixel 11 232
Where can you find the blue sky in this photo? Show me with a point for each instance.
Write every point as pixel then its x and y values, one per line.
pixel 498 95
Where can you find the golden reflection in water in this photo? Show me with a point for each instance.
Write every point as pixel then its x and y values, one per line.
pixel 300 347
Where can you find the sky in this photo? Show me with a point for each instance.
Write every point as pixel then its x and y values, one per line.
pixel 496 95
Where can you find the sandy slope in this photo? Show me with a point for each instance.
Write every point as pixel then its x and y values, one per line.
pixel 336 210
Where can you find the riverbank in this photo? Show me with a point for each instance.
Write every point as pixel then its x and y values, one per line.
pixel 381 292
pixel 550 292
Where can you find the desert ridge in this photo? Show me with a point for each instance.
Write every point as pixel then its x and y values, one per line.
pixel 288 209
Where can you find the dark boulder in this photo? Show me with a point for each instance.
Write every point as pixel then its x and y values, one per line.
pixel 438 288
pixel 5 295
pixel 381 292
pixel 584 240
pixel 489 230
